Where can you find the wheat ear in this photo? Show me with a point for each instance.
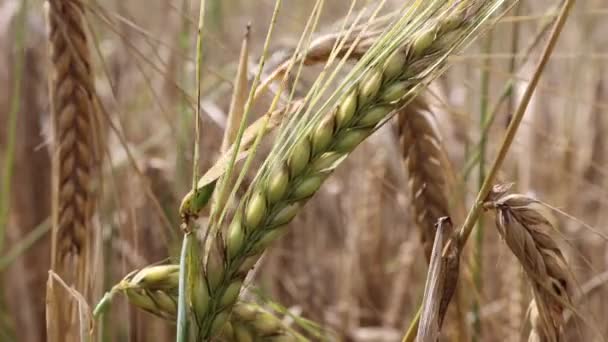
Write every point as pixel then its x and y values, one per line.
pixel 422 154
pixel 71 87
pixel 155 289
pixel 526 231
pixel 284 187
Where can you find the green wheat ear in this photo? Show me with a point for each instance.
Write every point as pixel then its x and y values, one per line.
pixel 310 151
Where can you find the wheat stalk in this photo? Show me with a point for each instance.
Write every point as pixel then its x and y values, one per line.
pixel 284 186
pixel 423 156
pixel 72 107
pixel 526 230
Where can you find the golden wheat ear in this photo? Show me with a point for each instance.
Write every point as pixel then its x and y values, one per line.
pixel 526 231
pixel 422 155
pixel 73 114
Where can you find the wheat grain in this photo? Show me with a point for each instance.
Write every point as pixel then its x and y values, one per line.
pixel 249 322
pixel 71 88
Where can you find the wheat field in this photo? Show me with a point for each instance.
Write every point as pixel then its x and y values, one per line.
pixel 291 170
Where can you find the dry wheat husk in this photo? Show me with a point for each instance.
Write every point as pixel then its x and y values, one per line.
pixel 423 157
pixel 442 281
pixel 526 231
pixel 73 113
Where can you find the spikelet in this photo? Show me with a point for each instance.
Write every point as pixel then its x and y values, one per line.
pixel 249 322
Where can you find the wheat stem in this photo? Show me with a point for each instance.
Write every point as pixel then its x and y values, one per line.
pixel 471 218
pixel 188 270
pixel 11 126
pixel 199 68
pixel 183 295
pixel 483 117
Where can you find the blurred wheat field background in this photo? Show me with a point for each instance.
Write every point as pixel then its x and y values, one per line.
pixel 98 101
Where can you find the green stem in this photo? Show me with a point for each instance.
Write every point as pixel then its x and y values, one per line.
pixel 412 330
pixel 182 305
pixel 197 119
pixel 483 117
pixel 103 304
pixel 11 127
pixel 184 262
pixel 183 105
pixel 473 215
pixel 472 156
pixel 24 244
pixel 475 211
pixel 508 93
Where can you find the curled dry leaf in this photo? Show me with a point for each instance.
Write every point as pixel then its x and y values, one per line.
pixel 442 281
